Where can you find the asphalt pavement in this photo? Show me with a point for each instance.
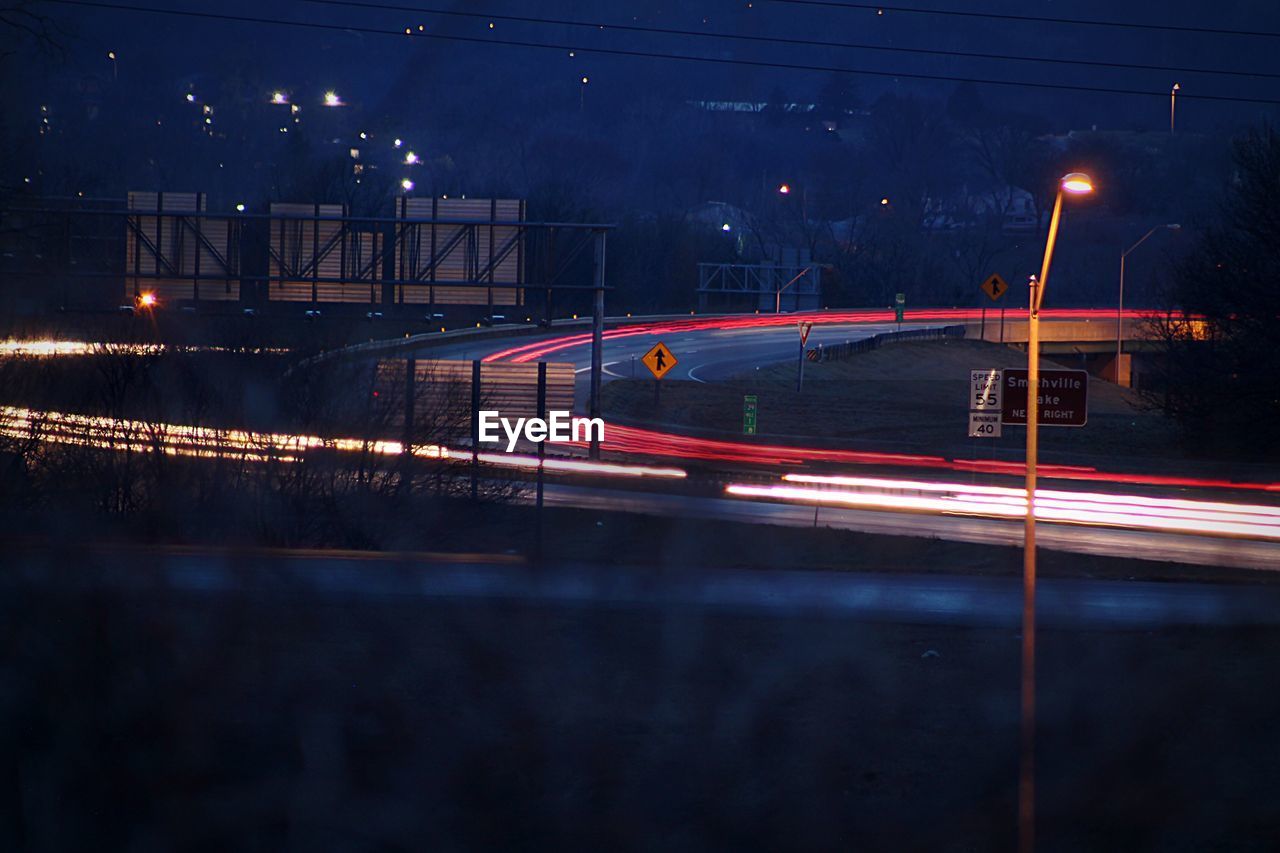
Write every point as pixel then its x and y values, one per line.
pixel 710 355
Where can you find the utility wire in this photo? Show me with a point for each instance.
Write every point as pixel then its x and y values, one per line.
pixel 783 40
pixel 644 54
pixel 1036 19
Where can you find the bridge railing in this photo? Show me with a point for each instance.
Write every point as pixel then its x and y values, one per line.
pixel 848 349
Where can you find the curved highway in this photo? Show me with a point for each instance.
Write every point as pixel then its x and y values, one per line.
pixel 704 353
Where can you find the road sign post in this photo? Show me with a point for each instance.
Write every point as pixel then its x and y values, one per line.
pixel 804 327
pixel 660 361
pixel 597 334
pixel 985 392
pixel 749 414
pixel 995 287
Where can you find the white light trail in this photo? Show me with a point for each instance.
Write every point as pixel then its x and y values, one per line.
pixel 208 442
pixel 1137 512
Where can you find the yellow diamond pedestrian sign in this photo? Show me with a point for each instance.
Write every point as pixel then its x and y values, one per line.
pixel 994 287
pixel 659 360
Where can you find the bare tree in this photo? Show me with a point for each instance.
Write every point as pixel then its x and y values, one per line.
pixel 24 20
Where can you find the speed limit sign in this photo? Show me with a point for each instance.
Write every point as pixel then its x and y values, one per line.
pixel 984 403
pixel 984 425
pixel 984 390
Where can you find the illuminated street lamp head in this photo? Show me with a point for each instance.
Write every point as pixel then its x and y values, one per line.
pixel 1078 183
pixel 1177 87
pixel 147 300
pixel 111 54
pixel 279 98
pixel 331 99
pixel 406 185
pixel 784 189
pixel 410 159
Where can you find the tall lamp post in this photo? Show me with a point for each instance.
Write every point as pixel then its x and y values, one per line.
pixel 1172 226
pixel 1075 183
pixel 1173 104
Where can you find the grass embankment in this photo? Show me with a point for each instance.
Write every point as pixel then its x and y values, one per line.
pixel 911 397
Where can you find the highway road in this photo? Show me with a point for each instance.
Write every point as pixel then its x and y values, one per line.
pixel 1164 546
pixel 703 355
pixel 713 349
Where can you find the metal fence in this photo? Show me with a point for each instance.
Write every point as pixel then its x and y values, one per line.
pixel 848 349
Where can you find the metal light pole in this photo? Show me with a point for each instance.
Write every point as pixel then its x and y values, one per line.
pixel 1075 183
pixel 1172 226
pixel 1173 103
pixel 777 296
pixel 597 334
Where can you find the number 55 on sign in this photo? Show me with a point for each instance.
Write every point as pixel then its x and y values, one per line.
pixel 984 390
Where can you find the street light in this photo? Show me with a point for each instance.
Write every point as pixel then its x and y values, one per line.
pixel 1075 183
pixel 1173 102
pixel 1172 226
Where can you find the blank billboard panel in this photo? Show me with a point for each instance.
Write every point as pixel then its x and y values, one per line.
pixel 179 257
pixel 432 255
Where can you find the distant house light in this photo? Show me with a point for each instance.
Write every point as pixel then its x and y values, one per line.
pixel 410 159
pixel 398 142
pixel 279 98
pixel 725 227
pixel 331 99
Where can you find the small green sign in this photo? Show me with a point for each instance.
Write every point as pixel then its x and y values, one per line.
pixel 749 414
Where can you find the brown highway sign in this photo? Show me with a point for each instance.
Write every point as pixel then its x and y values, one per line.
pixel 1064 397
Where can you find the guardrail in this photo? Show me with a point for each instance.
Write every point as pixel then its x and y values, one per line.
pixel 848 349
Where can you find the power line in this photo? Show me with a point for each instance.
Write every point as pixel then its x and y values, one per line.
pixel 642 54
pixel 783 40
pixel 1036 19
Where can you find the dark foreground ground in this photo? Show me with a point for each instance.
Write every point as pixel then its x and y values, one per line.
pixel 142 714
